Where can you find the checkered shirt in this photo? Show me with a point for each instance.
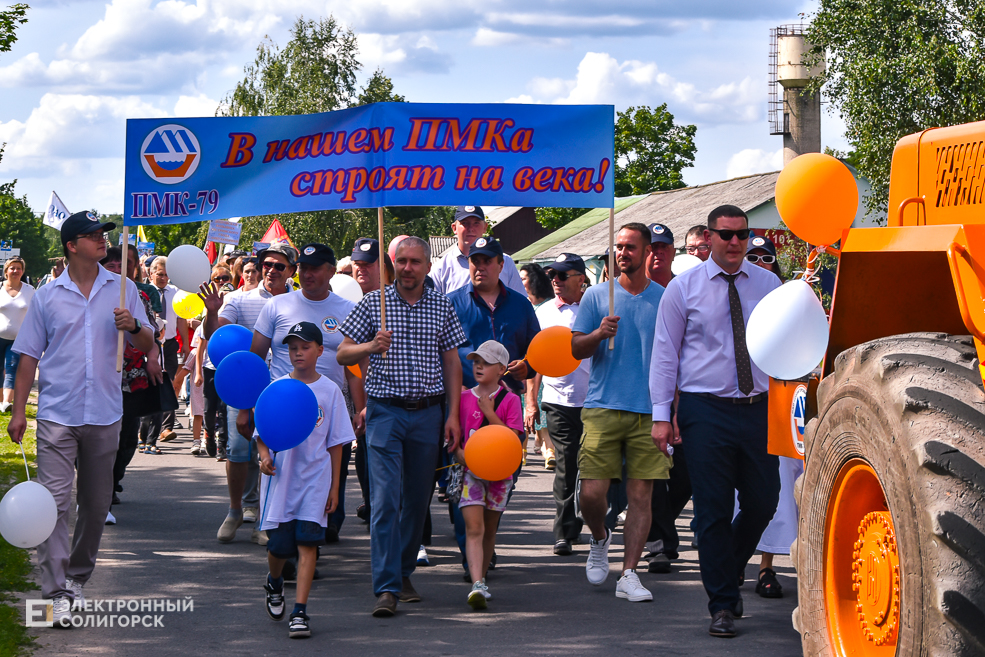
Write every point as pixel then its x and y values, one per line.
pixel 412 368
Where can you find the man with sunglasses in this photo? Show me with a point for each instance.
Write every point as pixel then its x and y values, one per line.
pixel 700 350
pixel 563 397
pixel 277 262
pixel 71 330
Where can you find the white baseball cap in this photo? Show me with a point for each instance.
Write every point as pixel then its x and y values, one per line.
pixel 491 352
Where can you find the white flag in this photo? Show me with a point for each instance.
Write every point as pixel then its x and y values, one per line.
pixel 57 213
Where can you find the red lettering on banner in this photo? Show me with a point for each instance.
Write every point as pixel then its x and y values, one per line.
pixel 468 178
pixel 422 177
pixel 240 149
pixel 397 178
pixel 492 179
pixel 299 148
pixel 382 141
pixel 561 179
pixel 521 179
pixel 324 180
pixel 522 141
pixel 495 134
pixel 359 141
pixel 542 179
pixel 456 138
pixel 276 150
pixel 447 134
pixel 377 177
pixel 583 180
pixel 302 178
pixel 330 142
pixel 603 168
pixel 356 182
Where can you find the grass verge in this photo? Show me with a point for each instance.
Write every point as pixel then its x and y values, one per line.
pixel 15 563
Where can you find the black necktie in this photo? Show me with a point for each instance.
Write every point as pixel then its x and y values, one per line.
pixel 742 366
pixel 164 304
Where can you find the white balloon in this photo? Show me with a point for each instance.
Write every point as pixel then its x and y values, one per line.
pixel 188 267
pixel 347 288
pixel 27 515
pixel 787 332
pixel 683 262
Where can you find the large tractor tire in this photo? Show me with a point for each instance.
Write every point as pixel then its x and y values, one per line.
pixel 891 549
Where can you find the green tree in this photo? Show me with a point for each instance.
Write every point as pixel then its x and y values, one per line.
pixel 651 152
pixel 378 89
pixel 20 225
pixel 10 18
pixel 898 67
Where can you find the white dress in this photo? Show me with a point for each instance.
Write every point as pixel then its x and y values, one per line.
pixel 782 530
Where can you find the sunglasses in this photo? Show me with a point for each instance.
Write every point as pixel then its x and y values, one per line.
pixel 270 264
pixel 704 248
pixel 727 235
pixel 222 279
pixel 98 236
pixel 560 275
pixel 765 259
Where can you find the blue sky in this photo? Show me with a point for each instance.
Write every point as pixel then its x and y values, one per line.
pixel 80 69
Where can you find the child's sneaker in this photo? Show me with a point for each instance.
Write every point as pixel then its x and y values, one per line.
pixel 477 596
pixel 275 601
pixel 298 628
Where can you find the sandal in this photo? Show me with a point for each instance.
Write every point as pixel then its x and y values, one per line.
pixel 153 449
pixel 768 586
pixel 142 449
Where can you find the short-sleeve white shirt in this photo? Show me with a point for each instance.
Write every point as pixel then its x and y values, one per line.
pixel 243 308
pixel 452 272
pixel 299 490
pixel 74 339
pixel 571 389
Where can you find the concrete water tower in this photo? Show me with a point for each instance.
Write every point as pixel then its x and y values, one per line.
pixel 797 113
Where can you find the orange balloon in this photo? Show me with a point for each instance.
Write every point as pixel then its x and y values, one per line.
pixel 817 198
pixel 550 352
pixel 493 452
pixel 355 369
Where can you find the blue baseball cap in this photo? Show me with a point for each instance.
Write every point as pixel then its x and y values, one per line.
pixel 660 233
pixel 489 246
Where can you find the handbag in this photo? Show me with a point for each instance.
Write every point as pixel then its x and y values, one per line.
pixel 151 400
pixel 455 481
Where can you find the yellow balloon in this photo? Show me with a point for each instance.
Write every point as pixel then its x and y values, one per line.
pixel 187 305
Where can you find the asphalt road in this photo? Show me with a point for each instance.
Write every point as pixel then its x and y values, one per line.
pixel 164 546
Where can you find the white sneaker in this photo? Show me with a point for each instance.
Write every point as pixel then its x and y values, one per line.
pixel 5 406
pixel 78 599
pixel 477 596
pixel 195 449
pixel 597 568
pixel 621 518
pixel 61 612
pixel 110 518
pixel 422 557
pixel 629 587
pixel 250 514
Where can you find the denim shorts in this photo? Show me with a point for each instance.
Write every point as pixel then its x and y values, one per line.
pixel 283 541
pixel 238 448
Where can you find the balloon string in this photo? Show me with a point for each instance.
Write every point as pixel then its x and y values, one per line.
pixel 25 461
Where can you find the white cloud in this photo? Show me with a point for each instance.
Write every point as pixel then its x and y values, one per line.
pixel 406 53
pixel 753 160
pixel 200 105
pixel 603 79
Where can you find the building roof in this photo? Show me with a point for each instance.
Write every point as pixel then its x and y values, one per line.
pixel 584 222
pixel 496 215
pixel 440 244
pixel 678 209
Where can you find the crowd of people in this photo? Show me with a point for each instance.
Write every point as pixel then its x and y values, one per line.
pixel 665 406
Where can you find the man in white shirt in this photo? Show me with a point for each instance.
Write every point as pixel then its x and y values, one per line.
pixel 163 423
pixel 452 271
pixel 314 303
pixel 71 330
pixel 242 469
pixel 563 398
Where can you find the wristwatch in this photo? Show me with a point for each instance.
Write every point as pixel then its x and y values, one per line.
pixel 136 328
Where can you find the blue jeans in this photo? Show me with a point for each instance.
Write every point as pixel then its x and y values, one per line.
pixel 726 452
pixel 10 359
pixel 401 454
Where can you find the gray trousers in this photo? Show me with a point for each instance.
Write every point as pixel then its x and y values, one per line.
pixel 91 450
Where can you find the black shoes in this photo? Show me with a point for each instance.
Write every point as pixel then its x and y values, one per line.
pixel 274 602
pixel 386 605
pixel 362 512
pixel 298 627
pixel 658 563
pixel 562 548
pixel 722 624
pixel 768 586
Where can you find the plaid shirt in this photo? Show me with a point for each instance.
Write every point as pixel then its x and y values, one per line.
pixel 412 368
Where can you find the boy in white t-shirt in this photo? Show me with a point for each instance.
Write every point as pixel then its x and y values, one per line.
pixel 299 487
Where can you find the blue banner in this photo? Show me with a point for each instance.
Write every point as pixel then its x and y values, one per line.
pixel 387 154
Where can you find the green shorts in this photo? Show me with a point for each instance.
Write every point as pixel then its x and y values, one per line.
pixel 609 436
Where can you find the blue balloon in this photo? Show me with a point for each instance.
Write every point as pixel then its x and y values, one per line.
pixel 240 378
pixel 228 339
pixel 286 414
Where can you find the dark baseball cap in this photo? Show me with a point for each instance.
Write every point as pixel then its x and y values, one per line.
pixel 660 233
pixel 366 249
pixel 465 211
pixel 83 223
pixel 281 248
pixel 760 242
pixel 306 331
pixel 489 246
pixel 567 262
pixel 316 254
